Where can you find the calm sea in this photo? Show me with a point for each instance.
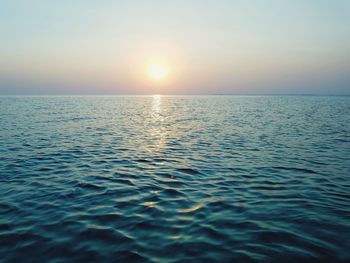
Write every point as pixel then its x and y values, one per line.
pixel 175 179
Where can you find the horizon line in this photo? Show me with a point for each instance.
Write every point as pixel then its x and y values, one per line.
pixel 200 94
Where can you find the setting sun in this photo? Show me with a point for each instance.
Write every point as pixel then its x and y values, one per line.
pixel 157 70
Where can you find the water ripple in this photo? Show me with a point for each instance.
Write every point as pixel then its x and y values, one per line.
pixel 174 179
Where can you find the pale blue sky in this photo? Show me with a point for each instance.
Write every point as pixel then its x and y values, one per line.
pixel 271 46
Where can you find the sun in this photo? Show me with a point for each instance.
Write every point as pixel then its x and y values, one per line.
pixel 157 70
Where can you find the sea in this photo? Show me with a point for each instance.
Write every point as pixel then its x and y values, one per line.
pixel 175 178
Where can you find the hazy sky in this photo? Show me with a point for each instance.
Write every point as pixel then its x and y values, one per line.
pixel 217 46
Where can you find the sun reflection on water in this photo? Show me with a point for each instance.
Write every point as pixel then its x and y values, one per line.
pixel 156 106
pixel 157 131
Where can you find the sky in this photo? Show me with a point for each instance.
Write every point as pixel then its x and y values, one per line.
pixel 206 47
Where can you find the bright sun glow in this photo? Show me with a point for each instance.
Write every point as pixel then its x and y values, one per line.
pixel 157 70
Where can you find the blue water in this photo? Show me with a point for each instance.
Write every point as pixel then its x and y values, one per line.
pixel 175 179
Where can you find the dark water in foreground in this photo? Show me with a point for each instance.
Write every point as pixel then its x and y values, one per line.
pixel 174 179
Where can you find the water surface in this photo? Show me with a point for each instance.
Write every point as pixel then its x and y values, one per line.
pixel 175 179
